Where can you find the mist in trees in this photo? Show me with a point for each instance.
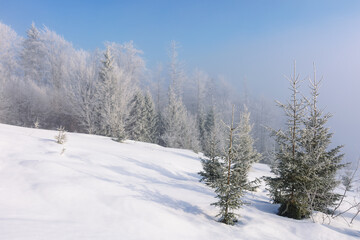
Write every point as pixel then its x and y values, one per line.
pixel 45 82
pixel 110 92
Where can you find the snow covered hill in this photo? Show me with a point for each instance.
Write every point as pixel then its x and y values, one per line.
pixel 95 188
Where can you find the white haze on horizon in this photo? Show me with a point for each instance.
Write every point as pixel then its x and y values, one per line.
pixel 334 47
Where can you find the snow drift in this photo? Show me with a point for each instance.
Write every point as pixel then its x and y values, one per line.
pixel 94 188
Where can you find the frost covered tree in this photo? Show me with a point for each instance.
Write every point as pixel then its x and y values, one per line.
pixel 151 120
pixel 179 126
pixel 33 56
pixel 141 122
pixel 286 186
pixel 82 91
pixel 59 57
pixel 264 114
pixel 176 73
pixel 129 69
pixel 46 60
pixel 212 170
pixel 10 44
pixel 246 153
pixel 200 121
pixel 58 69
pixel 320 163
pixel 43 78
pixel 305 168
pixel 238 158
pixel 135 124
pixel 160 129
pixel 211 133
pixel 110 122
pixel 195 88
pixel 212 150
pixel 22 100
pixel 174 122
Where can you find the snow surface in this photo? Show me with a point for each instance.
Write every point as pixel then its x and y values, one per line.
pixel 101 189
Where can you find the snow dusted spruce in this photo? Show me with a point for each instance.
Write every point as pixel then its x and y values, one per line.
pixel 320 164
pixel 176 70
pixel 151 119
pixel 33 56
pixel 286 187
pixel 233 182
pixel 108 107
pixel 142 121
pixel 179 126
pixel 212 150
pixel 305 170
pixel 135 124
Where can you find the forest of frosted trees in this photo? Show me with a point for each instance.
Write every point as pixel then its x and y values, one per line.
pixel 46 82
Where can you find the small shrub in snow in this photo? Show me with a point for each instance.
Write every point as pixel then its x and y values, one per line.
pixel 62 151
pixel 37 124
pixel 61 136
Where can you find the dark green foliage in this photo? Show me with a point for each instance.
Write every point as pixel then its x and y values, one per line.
pixel 232 183
pixel 159 129
pixel 229 199
pixel 294 210
pixel 200 124
pixel 211 148
pixel 209 122
pixel 142 121
pixel 211 135
pixel 135 124
pixel 151 120
pixel 320 164
pixel 286 187
pixel 120 135
pixel 211 170
pixel 304 167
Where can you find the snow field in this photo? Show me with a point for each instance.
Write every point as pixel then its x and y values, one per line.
pixel 101 189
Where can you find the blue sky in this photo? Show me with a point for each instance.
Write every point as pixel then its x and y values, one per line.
pixel 256 40
pixel 231 38
pixel 200 26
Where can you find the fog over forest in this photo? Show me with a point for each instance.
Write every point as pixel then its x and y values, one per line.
pixel 244 55
pixel 190 119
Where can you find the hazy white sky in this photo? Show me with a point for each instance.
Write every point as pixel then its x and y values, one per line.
pixel 333 45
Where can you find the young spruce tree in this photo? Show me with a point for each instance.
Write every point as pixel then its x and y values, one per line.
pixel 287 185
pixel 320 164
pixel 238 158
pixel 151 120
pixel 179 126
pixel 305 169
pixel 211 148
pixel 135 124
pixel 110 122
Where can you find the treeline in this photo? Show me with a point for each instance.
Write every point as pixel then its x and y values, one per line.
pixel 45 82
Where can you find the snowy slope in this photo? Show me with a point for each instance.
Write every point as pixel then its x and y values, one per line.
pixel 101 189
